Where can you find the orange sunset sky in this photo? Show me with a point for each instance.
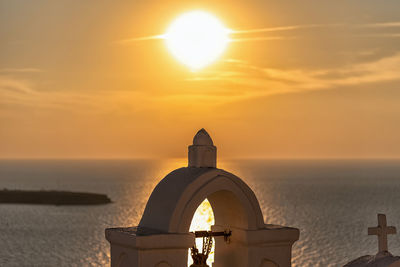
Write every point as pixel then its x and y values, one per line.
pixel 303 79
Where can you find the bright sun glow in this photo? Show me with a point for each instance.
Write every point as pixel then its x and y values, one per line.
pixel 196 39
pixel 202 220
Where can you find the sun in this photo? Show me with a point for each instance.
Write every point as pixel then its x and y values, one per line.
pixel 197 39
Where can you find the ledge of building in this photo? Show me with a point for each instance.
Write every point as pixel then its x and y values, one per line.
pixel 270 235
pixel 140 238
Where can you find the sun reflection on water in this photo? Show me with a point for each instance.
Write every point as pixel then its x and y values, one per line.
pixel 202 220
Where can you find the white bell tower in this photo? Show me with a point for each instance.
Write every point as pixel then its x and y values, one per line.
pixel 162 238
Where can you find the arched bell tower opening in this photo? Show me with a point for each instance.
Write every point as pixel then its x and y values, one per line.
pixel 242 239
pixel 228 214
pixel 203 220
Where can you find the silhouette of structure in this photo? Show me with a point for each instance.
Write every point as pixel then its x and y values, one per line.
pixel 162 238
pixel 52 197
pixel 383 258
pixel 382 230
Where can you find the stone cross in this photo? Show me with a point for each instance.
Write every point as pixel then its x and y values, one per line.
pixel 382 230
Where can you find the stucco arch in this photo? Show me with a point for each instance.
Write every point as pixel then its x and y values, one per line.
pixel 173 202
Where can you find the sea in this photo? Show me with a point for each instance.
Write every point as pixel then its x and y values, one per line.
pixel 332 202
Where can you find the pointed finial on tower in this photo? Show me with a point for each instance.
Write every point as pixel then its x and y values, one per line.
pixel 203 153
pixel 202 138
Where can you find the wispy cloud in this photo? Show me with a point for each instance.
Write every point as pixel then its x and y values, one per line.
pixel 12 80
pixel 265 38
pixel 278 29
pixel 381 35
pixel 234 32
pixel 20 70
pixel 15 85
pixel 17 93
pixel 287 28
pixel 139 39
pixel 392 24
pixel 253 81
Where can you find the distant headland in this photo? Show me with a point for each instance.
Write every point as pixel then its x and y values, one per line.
pixel 52 197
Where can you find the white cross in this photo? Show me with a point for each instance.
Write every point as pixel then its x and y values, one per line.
pixel 382 230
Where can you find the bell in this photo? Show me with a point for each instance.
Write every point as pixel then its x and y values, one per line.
pixel 200 259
